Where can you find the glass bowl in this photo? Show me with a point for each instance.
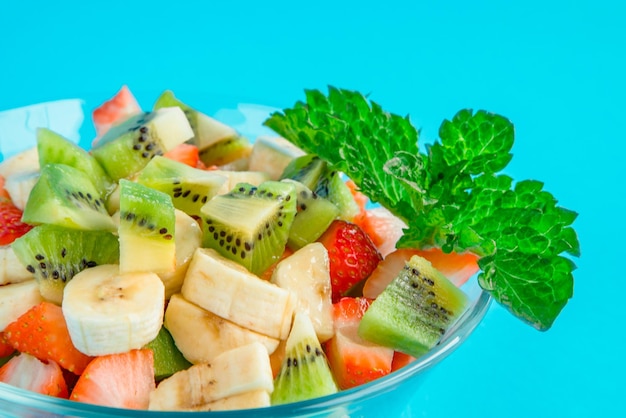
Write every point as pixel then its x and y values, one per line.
pixel 388 396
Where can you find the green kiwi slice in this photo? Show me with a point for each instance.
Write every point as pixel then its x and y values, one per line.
pixel 207 131
pixel 126 148
pixel 56 254
pixel 65 196
pixel 314 215
pixel 250 225
pixel 304 372
pixel 325 182
pixel 415 309
pixel 53 148
pixel 226 151
pixel 146 229
pixel 167 357
pixel 189 188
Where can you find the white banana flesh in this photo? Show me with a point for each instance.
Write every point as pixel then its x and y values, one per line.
pixel 254 399
pixel 272 155
pixel 25 161
pixel 230 291
pixel 16 299
pixel 201 335
pixel 11 269
pixel 19 186
pixel 188 238
pixel 235 372
pixel 108 312
pixel 307 274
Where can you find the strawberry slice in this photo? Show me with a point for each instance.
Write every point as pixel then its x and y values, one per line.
pixel 354 361
pixel 400 360
pixel 458 268
pixel 186 154
pixel 11 225
pixel 118 380
pixel 42 332
pixel 352 256
pixel 119 108
pixel 27 372
pixel 6 349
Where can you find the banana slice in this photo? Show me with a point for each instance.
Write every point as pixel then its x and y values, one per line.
pixel 108 312
pixel 237 371
pixel 11 269
pixel 16 299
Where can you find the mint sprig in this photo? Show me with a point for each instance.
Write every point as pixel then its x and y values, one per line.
pixel 453 197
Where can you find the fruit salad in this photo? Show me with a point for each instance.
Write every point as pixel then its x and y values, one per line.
pixel 178 266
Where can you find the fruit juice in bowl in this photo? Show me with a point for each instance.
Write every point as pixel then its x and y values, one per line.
pixel 186 268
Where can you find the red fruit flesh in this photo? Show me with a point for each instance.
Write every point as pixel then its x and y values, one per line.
pixel 11 225
pixel 42 332
pixel 351 253
pixel 186 154
pixel 6 348
pixel 114 111
pixel 354 361
pixel 117 380
pixel 28 372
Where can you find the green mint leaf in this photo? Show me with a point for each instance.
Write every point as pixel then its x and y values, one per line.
pixel 452 197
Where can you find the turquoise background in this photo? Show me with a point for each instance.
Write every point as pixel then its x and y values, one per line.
pixel 555 68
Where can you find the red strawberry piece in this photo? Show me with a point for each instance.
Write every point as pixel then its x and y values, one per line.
pixel 6 349
pixel 352 360
pixel 11 225
pixel 400 360
pixel 118 380
pixel 3 193
pixel 114 111
pixel 351 253
pixel 458 268
pixel 186 154
pixel 42 332
pixel 27 372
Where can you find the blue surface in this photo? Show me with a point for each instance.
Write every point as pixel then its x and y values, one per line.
pixel 556 69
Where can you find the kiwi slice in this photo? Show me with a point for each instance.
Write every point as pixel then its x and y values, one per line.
pixel 207 131
pixel 250 225
pixel 227 151
pixel 167 357
pixel 189 188
pixel 65 196
pixel 146 230
pixel 314 215
pixel 126 148
pixel 54 148
pixel 415 309
pixel 56 254
pixel 325 182
pixel 304 372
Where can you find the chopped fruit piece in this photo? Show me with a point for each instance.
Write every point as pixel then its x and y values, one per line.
pixel 42 332
pixel 354 361
pixel 267 274
pixel 6 349
pixel 458 268
pixel 118 380
pixel 11 225
pixel 3 193
pixel 186 154
pixel 352 255
pixel 119 108
pixel 400 360
pixel 27 372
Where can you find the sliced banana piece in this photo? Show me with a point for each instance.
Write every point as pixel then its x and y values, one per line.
pixel 307 274
pixel 11 269
pixel 108 312
pixel 16 299
pixel 188 237
pixel 201 335
pixel 241 370
pixel 230 291
pixel 19 186
pixel 259 398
